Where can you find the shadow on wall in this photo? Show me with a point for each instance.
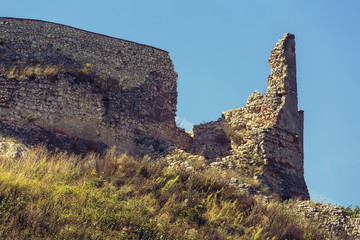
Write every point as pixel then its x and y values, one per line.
pixel 53 140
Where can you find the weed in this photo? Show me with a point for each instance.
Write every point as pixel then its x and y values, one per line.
pixel 86 69
pixel 23 73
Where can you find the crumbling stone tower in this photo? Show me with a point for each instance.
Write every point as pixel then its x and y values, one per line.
pixel 269 127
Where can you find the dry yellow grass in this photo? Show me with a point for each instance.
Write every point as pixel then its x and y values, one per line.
pixel 23 73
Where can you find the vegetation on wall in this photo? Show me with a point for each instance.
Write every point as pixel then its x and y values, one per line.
pixel 38 70
pixel 84 74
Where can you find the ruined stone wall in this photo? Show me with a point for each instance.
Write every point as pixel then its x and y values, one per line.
pixel 79 87
pixel 270 126
pixel 80 91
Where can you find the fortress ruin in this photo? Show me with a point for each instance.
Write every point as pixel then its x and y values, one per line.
pixel 80 91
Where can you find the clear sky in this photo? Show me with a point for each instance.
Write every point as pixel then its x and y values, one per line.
pixel 220 51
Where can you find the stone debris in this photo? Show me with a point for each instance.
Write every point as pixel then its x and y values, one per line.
pixel 331 218
pixel 10 148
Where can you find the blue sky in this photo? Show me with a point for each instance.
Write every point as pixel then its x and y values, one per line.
pixel 220 51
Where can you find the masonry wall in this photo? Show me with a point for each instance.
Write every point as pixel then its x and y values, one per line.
pixel 83 86
pixel 270 126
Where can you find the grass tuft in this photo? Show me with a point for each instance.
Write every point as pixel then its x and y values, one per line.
pixel 23 73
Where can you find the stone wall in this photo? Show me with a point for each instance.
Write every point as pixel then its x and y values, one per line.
pixel 270 126
pixel 80 91
pixel 84 87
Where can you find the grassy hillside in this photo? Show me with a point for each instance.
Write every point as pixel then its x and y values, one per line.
pixel 61 196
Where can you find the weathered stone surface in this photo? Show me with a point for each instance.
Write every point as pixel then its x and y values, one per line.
pixel 270 126
pixel 210 140
pixel 75 88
